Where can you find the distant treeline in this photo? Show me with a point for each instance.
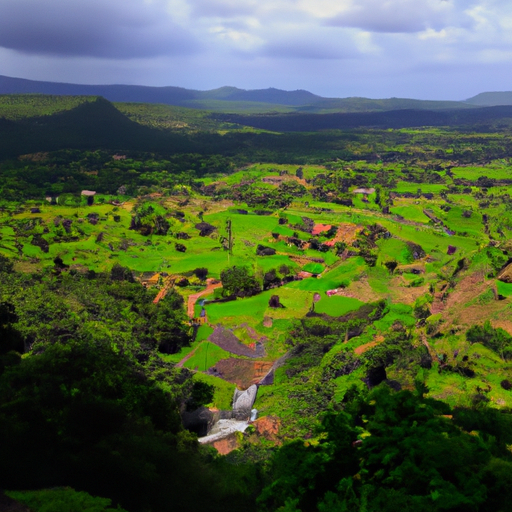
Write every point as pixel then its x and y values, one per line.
pixel 389 119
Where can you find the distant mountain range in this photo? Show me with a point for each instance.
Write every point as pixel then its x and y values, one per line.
pixel 232 99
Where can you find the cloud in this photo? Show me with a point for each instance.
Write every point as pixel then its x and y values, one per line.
pixel 93 28
pixel 303 50
pixel 399 16
pixel 324 44
pixel 223 8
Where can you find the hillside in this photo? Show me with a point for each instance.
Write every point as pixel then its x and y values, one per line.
pixel 489 99
pixel 400 118
pixel 326 105
pixel 166 271
pixel 224 99
pixel 90 124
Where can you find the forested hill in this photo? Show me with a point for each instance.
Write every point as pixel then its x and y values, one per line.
pixel 99 124
pixel 225 99
pixel 91 124
pixel 390 119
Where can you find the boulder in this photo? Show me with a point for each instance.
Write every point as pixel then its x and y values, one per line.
pixel 244 400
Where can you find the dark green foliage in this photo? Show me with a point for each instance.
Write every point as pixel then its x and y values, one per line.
pixel 120 273
pixel 405 455
pixel 147 222
pixel 262 250
pixel 52 309
pixel 391 265
pixel 496 258
pixel 167 326
pixel 270 279
pixel 343 363
pixel 201 273
pixel 201 394
pixel 12 344
pixel 6 265
pixel 497 340
pixel 238 281
pixel 81 414
pixel 398 350
pixel 63 500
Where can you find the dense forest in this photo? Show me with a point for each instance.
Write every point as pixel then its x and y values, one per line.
pixel 155 262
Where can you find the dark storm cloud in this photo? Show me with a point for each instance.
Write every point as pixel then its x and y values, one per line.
pixel 93 28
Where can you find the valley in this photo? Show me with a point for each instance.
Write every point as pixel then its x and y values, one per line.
pixel 360 278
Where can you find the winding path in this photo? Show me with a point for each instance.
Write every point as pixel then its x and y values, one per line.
pixel 192 299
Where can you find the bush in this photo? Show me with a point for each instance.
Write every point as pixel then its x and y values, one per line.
pixel 498 340
pixel 120 273
pixel 201 273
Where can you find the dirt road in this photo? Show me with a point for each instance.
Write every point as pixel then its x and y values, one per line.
pixel 192 299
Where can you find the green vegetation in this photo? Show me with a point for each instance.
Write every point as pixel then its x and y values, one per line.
pixel 363 274
pixel 62 500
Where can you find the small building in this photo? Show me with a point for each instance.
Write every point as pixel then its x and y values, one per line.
pixel 89 194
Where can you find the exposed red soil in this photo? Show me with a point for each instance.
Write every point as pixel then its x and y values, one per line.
pixel 320 228
pixel 438 304
pixel 347 232
pixel 303 260
pixel 242 372
pixel 277 180
pixel 400 292
pixel 363 348
pixel 168 284
pixel 211 285
pixel 268 427
pixel 226 445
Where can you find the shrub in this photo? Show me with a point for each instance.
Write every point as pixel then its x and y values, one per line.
pixel 201 273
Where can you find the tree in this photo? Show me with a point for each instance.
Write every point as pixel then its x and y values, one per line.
pixel 82 415
pixel 238 281
pixel 120 273
pixel 6 265
pixel 201 273
pixel 405 456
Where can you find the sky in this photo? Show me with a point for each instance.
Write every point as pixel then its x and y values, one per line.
pixel 425 49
